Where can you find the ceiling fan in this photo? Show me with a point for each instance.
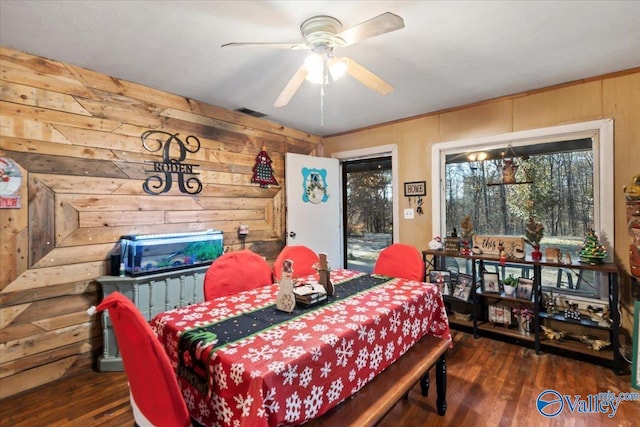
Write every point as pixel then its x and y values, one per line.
pixel 323 33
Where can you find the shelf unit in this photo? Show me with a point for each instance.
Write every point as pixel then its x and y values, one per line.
pixel 479 325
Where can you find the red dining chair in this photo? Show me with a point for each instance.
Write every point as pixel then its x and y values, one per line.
pixel 155 396
pixel 235 272
pixel 303 259
pixel 400 260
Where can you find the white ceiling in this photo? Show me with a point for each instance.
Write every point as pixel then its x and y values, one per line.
pixel 450 53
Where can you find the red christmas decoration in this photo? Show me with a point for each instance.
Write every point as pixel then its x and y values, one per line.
pixel 262 171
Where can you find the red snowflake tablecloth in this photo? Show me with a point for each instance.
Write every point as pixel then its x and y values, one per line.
pixel 296 370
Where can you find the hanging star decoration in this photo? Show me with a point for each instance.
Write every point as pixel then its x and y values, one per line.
pixel 262 171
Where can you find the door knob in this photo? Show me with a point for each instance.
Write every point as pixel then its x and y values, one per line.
pixel 292 234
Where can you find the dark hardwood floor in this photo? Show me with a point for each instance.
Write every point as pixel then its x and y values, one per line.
pixel 490 383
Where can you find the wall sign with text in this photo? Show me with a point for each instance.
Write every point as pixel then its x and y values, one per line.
pixel 415 188
pixel 170 169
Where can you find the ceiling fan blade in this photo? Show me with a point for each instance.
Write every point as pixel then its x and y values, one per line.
pixel 291 46
pixel 381 24
pixel 366 77
pixel 292 87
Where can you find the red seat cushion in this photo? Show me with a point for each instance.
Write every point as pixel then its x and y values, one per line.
pixel 152 380
pixel 400 260
pixel 235 272
pixel 303 261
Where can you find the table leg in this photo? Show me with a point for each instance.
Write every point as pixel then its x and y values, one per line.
pixel 441 385
pixel 424 384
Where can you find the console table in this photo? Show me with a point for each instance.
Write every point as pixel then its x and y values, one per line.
pixel 152 294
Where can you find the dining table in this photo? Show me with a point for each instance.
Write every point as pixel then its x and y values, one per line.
pixel 242 362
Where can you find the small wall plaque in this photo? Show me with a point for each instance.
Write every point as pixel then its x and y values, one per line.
pixel 415 188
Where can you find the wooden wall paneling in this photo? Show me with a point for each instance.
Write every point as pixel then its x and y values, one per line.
pixel 41 221
pixel 76 133
pixel 36 97
pixel 485 119
pixel 38 72
pixel 570 104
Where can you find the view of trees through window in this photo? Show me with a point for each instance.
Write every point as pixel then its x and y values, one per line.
pixel 553 184
pixel 368 215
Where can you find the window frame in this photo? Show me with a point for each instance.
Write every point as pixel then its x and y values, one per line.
pixel 601 133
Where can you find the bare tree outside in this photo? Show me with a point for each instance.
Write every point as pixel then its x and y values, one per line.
pixel 368 212
pixel 555 188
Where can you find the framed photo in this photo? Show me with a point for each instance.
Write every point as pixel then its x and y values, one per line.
pixel 415 188
pixel 490 283
pixel 462 289
pixel 524 289
pixel 442 279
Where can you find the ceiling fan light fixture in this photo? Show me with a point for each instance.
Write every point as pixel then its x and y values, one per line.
pixel 337 68
pixel 314 64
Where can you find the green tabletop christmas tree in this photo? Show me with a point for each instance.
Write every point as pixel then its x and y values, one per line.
pixel 591 250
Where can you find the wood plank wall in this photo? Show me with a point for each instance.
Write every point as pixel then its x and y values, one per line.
pixel 76 134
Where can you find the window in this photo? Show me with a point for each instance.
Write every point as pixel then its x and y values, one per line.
pixel 564 182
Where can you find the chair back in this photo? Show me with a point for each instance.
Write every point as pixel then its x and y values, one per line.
pixel 400 260
pixel 235 272
pixel 303 259
pixel 156 398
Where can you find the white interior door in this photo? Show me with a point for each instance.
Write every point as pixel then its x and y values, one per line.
pixel 313 205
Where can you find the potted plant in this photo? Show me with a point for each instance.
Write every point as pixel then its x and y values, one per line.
pixel 510 284
pixel 524 315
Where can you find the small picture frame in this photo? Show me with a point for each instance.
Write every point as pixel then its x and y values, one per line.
pixel 463 287
pixel 415 188
pixel 490 283
pixel 524 289
pixel 442 279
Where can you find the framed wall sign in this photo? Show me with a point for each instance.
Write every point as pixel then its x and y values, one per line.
pixel 415 188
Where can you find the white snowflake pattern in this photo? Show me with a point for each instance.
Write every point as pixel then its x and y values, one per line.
pixel 293 405
pixel 325 370
pixel 375 357
pixel 362 332
pixel 306 376
pixel 237 369
pixel 192 316
pixel 395 322
pixel 296 325
pixel 335 389
pixel 361 309
pixel 383 333
pixel 203 409
pixel 363 356
pixel 371 337
pixel 221 409
pixel 406 327
pixel 243 404
pixel 302 336
pixel 352 326
pixel 415 329
pixel 344 352
pixel 352 374
pixel 330 339
pixel 273 334
pixel 389 351
pixel 255 354
pixel 313 402
pixel 219 312
pixel 290 374
pixel 292 352
pixel 189 398
pixel 276 367
pixel 320 327
pixel 220 377
pixel 316 354
pixel 270 402
pixel 335 319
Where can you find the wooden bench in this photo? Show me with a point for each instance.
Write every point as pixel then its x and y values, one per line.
pixel 376 398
